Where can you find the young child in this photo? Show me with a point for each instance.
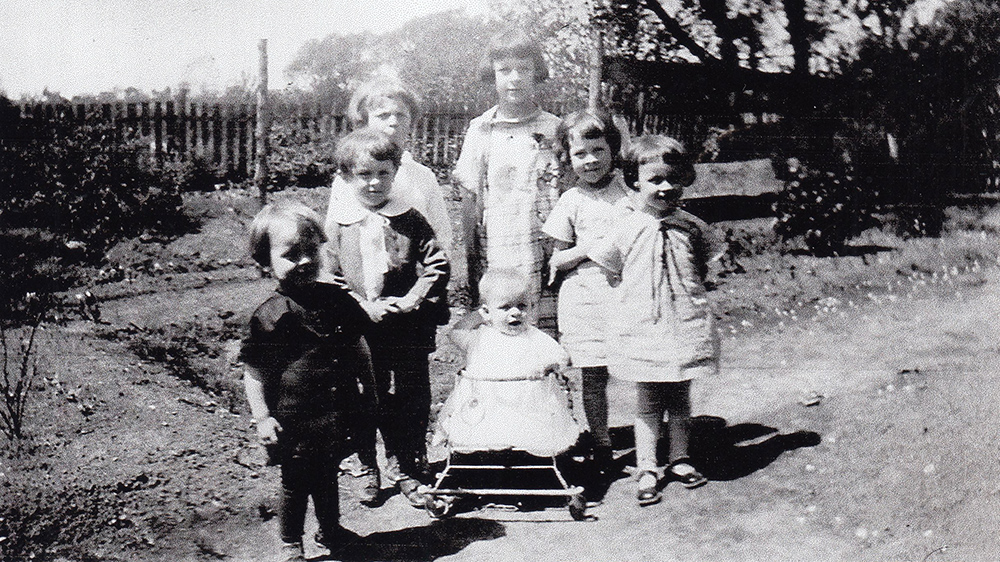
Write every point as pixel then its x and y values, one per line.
pixel 390 259
pixel 582 216
pixel 662 329
pixel 388 106
pixel 509 171
pixel 304 357
pixel 504 398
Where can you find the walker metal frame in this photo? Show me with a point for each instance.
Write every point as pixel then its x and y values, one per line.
pixel 439 498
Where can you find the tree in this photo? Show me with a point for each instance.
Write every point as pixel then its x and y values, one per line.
pixel 437 55
pixel 883 102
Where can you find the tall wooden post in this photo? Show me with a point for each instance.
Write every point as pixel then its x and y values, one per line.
pixel 596 61
pixel 263 129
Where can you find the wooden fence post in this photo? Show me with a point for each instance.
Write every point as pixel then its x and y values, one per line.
pixel 262 129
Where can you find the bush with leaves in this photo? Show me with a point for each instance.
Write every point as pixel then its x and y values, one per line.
pixel 827 197
pixel 19 366
pixel 299 160
pixel 83 183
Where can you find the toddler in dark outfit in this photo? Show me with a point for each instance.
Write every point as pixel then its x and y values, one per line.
pixel 308 371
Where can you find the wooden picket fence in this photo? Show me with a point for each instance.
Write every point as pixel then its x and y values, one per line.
pixel 221 136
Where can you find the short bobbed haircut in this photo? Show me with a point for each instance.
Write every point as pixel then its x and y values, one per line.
pixel 283 211
pixel 498 283
pixel 373 91
pixel 648 149
pixel 366 143
pixel 512 43
pixel 587 124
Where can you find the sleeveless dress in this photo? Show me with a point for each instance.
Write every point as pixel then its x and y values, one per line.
pixel 508 396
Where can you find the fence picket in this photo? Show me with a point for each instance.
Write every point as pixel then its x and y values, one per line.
pixel 222 135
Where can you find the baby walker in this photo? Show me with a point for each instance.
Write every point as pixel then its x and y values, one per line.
pixel 508 469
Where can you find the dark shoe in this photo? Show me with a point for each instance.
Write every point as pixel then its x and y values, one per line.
pixel 409 487
pixel 604 461
pixel 687 475
pixel 648 495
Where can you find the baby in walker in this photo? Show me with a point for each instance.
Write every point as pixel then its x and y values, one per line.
pixel 510 395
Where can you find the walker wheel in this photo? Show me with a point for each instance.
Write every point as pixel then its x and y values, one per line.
pixel 437 507
pixel 577 507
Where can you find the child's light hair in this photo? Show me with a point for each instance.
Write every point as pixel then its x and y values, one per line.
pixel 500 283
pixel 281 211
pixel 648 149
pixel 587 124
pixel 512 43
pixel 370 92
pixel 366 143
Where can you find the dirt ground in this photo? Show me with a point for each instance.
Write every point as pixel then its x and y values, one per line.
pixel 853 419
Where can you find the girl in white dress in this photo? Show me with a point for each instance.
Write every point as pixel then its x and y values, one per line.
pixel 583 215
pixel 661 330
pixel 510 394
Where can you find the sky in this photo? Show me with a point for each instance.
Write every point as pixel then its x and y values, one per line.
pixel 91 46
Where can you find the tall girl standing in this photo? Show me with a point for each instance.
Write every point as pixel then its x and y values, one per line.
pixel 583 215
pixel 509 172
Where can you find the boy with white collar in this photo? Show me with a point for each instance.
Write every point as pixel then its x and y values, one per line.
pixel 391 261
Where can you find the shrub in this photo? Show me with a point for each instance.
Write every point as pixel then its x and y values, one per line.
pixel 298 160
pixel 82 183
pixel 19 363
pixel 824 201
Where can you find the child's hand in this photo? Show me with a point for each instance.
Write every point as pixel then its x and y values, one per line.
pixel 267 430
pixel 447 354
pixel 553 272
pixel 402 304
pixel 377 309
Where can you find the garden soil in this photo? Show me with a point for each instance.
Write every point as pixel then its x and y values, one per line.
pixel 854 418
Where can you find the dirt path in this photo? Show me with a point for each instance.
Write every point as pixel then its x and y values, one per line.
pixel 896 461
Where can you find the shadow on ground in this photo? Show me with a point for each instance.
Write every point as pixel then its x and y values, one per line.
pixel 428 542
pixel 721 451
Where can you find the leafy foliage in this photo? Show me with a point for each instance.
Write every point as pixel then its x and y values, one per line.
pixel 83 183
pixel 297 159
pixel 437 55
pixel 823 200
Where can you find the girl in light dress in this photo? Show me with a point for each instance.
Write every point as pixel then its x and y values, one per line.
pixel 509 172
pixel 662 329
pixel 510 394
pixel 583 215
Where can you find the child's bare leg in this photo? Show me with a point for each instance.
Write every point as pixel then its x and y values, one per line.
pixel 595 404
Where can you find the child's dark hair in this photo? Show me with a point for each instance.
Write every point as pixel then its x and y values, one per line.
pixel 658 148
pixel 366 143
pixel 512 43
pixel 375 90
pixel 306 219
pixel 587 124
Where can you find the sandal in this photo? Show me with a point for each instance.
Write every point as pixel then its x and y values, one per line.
pixel 687 475
pixel 651 494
